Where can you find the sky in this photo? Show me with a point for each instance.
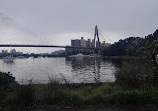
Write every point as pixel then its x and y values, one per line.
pixel 56 22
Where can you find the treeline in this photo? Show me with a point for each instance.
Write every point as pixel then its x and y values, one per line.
pixel 140 74
pixel 133 46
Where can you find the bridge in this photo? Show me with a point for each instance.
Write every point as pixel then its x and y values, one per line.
pixel 49 46
pixel 95 46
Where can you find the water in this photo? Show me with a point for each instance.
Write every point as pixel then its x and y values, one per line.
pixel 76 70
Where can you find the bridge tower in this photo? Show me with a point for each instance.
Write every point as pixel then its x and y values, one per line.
pixel 96 44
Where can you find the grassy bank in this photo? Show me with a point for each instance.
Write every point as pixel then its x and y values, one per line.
pixel 76 95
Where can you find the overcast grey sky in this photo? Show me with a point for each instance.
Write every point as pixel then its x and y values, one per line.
pixel 59 21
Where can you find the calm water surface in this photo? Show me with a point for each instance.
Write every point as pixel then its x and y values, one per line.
pixel 73 70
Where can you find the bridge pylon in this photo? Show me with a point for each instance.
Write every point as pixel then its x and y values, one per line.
pixel 96 44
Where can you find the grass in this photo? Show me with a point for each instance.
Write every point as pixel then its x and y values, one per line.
pixel 76 95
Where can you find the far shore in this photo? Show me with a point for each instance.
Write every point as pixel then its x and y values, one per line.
pixel 123 57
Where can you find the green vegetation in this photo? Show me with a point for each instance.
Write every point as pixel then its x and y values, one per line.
pixel 139 47
pixel 133 46
pixel 131 75
pixel 6 79
pixel 55 95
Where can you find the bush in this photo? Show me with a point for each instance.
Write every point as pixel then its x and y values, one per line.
pixel 6 81
pixel 6 78
pixel 131 75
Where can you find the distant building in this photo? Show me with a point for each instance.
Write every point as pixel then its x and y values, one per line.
pixel 105 44
pixel 13 51
pixel 78 42
pixel 98 44
pixel 72 42
pixel 83 42
pixel 88 43
pixel 19 53
pixel 4 51
pixel 92 43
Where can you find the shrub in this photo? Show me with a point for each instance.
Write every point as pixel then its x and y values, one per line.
pixel 6 81
pixel 6 78
pixel 131 75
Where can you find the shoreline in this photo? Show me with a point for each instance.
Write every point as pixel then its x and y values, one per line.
pixel 123 57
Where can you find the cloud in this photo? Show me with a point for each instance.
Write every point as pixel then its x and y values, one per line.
pixel 59 21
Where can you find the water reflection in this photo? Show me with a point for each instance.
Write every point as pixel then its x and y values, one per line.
pixel 74 70
pixel 89 69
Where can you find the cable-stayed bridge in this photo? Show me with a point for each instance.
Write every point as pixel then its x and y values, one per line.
pixel 96 36
pixel 49 46
pixel 8 32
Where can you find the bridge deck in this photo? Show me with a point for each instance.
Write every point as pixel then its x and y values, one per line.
pixel 55 46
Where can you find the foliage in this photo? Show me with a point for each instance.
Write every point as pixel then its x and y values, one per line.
pixel 135 46
pixel 151 51
pixel 6 78
pixel 6 83
pixel 127 47
pixel 132 46
pixel 131 75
